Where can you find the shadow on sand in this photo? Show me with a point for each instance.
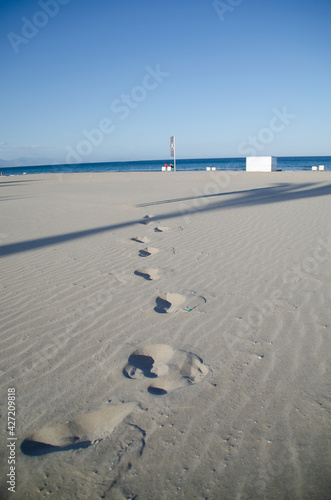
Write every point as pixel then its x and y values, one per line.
pixel 35 449
pixel 218 201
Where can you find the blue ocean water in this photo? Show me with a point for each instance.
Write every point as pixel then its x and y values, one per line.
pixel 283 163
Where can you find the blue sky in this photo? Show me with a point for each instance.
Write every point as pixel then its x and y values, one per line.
pixel 113 79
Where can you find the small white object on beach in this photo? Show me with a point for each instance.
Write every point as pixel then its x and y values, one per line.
pixel 207 168
pixel 321 168
pixel 314 168
pixel 261 163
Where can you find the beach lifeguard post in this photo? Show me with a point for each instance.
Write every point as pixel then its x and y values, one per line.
pixel 261 163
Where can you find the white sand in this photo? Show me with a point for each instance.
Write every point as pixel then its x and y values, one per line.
pixel 241 409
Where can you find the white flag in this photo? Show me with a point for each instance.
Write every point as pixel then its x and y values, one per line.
pixel 172 146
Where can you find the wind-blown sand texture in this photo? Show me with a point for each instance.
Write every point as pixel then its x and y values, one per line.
pixel 195 368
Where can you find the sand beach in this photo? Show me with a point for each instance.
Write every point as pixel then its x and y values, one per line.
pixel 166 335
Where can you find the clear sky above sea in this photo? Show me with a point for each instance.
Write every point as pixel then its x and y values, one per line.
pixel 110 80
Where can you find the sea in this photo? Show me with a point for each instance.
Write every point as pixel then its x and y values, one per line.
pixel 290 163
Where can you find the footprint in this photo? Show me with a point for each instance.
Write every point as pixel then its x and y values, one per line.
pixel 146 252
pixel 80 432
pixel 140 239
pixel 195 301
pixel 149 361
pixel 169 302
pixel 186 369
pixel 161 229
pixel 148 273
pixel 147 219
pixel 170 369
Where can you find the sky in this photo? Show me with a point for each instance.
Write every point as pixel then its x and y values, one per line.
pixel 112 80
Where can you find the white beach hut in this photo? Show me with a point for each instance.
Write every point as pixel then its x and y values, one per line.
pixel 261 163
